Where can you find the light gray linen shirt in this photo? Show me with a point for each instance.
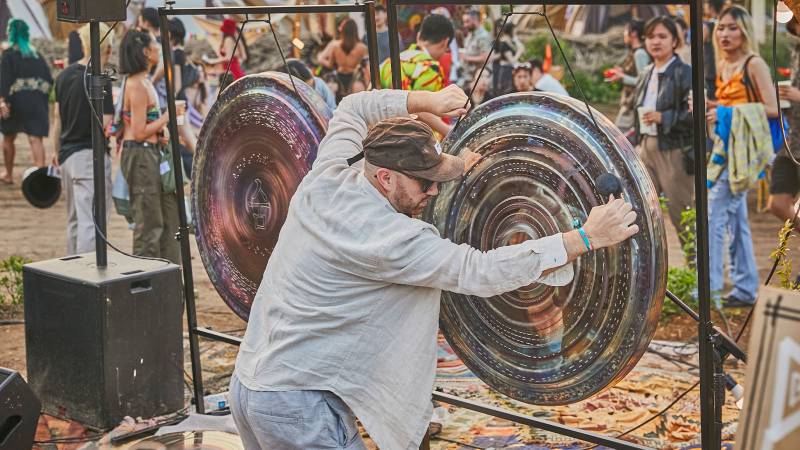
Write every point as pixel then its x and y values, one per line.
pixel 349 301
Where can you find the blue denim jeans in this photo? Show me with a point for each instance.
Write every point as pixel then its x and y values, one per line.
pixel 728 213
pixel 289 420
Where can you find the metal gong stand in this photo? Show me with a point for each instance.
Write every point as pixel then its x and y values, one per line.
pixel 714 345
pixel 164 13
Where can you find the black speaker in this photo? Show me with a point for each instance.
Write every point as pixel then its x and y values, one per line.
pixel 89 10
pixel 104 344
pixel 19 412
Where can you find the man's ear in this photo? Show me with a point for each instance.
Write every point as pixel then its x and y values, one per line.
pixel 384 177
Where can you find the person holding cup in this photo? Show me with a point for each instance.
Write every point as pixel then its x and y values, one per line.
pixel 785 180
pixel 146 160
pixel 663 121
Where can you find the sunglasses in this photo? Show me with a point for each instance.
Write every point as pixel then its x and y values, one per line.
pixel 424 184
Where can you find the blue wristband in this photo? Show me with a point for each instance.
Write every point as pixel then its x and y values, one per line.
pixel 585 238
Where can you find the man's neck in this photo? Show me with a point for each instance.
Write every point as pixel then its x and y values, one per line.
pixel 85 60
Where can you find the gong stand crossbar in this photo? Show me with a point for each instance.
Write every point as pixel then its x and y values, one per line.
pixel 710 339
pixel 164 13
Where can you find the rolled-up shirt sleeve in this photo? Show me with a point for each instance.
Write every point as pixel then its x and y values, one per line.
pixel 420 257
pixel 353 118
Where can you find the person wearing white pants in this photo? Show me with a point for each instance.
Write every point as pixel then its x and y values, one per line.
pixel 77 182
pixel 74 145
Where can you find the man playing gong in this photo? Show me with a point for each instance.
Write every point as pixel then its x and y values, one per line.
pixel 345 321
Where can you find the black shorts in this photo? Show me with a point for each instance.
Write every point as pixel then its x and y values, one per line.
pixel 785 175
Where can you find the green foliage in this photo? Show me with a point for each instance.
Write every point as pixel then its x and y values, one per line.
pixel 535 48
pixel 663 203
pixel 11 279
pixel 682 281
pixel 594 85
pixel 781 254
pixel 783 50
pixel 688 236
pixel 595 88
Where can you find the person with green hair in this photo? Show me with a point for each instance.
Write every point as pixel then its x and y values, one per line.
pixel 25 82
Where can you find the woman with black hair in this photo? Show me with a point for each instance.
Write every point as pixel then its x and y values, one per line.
pixel 663 121
pixel 344 55
pixel 145 159
pixel 177 34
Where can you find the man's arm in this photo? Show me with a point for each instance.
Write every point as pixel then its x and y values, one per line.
pixel 435 123
pixel 357 113
pixel 421 258
pixel 56 135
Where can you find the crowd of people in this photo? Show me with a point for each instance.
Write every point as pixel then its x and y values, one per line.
pixel 655 112
pixel 745 139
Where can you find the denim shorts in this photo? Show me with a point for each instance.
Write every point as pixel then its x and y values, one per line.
pixel 288 420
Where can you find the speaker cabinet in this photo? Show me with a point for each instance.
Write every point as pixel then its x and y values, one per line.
pixel 104 344
pixel 89 10
pixel 19 412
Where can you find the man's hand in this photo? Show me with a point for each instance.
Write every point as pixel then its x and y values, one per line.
pixel 470 159
pixel 711 117
pixel 790 93
pixel 5 109
pixel 449 102
pixel 611 223
pixel 651 117
pixel 614 74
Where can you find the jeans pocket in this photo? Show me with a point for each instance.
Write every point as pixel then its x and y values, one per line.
pixel 289 417
pixel 345 431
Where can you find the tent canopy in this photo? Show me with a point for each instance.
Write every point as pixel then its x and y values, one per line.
pixel 32 13
pixel 596 19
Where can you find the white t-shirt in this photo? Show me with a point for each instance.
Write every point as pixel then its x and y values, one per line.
pixel 651 93
pixel 548 83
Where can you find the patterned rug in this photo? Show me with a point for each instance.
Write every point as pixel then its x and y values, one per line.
pixel 650 386
pixel 660 376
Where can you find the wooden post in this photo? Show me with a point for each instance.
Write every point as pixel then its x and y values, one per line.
pixel 426 442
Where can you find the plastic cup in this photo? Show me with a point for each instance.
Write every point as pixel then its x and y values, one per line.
pixel 785 103
pixel 644 128
pixel 181 117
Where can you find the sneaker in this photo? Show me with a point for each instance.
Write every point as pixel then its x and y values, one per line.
pixel 733 302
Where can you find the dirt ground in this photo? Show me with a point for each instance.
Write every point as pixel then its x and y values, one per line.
pixel 40 234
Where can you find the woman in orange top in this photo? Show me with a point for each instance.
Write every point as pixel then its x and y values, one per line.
pixel 742 77
pixel 344 55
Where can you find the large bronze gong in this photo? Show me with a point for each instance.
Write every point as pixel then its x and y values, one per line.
pixel 541 157
pixel 257 143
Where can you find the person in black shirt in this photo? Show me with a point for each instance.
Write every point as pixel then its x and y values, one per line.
pixel 74 146
pixel 177 34
pixel 25 82
pixel 183 78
